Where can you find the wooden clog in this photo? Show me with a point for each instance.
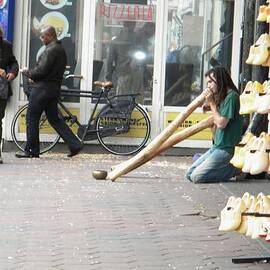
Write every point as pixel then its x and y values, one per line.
pixel 231 214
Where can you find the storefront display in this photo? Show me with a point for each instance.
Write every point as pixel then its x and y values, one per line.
pixel 65 17
pixel 7 17
pixel 160 54
pixel 186 42
pixel 124 42
pixel 250 215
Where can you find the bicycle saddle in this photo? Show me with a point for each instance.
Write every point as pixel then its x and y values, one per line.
pixel 108 84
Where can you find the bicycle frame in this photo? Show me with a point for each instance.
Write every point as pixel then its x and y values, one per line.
pixel 99 95
pixel 87 94
pixel 108 122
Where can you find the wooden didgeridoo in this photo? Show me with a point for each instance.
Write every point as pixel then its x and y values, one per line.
pixel 176 138
pixel 151 148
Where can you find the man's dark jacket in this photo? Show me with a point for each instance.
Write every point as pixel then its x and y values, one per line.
pixel 49 70
pixel 8 61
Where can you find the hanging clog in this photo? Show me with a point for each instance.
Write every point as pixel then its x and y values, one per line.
pixel 261 55
pixel 246 138
pixel 247 199
pixel 264 104
pixel 268 14
pixel 258 54
pixel 250 151
pixel 257 221
pixel 259 89
pixel 250 219
pixel 263 99
pixel 235 161
pixel 265 229
pixel 239 151
pixel 262 17
pixel 260 158
pixel 251 55
pixel 264 39
pixel 247 98
pixel 262 207
pixel 260 196
pixel 231 214
pixel 251 105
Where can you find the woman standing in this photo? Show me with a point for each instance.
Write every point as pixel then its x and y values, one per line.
pixel 8 71
pixel 223 100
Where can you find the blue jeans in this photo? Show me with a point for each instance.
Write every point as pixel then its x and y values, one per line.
pixel 213 166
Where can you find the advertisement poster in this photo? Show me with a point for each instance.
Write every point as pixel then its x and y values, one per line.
pixel 194 118
pixel 7 17
pixel 61 15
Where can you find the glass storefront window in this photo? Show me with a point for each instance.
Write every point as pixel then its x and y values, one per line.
pixel 193 27
pixel 221 54
pixel 124 46
pixel 66 17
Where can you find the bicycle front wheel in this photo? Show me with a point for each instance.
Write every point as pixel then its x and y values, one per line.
pixel 122 134
pixel 47 135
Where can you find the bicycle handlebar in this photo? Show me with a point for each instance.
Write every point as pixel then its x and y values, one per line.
pixel 73 76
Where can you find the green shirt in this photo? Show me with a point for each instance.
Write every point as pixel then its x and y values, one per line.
pixel 226 138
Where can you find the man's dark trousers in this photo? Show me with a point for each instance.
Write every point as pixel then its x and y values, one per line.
pixel 3 104
pixel 40 100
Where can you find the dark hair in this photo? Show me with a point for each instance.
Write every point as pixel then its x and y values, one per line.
pixel 224 82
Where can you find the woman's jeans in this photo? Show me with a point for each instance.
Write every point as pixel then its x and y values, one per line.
pixel 213 166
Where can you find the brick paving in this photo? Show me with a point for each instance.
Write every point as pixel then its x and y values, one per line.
pixel 54 215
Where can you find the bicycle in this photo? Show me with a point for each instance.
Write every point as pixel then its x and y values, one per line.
pixel 120 119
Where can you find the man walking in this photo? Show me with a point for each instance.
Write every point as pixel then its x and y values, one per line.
pixel 47 77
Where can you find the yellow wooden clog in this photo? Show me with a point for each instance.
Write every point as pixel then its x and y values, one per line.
pixel 231 214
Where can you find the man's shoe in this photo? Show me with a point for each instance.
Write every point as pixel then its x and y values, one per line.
pixel 26 155
pixel 75 152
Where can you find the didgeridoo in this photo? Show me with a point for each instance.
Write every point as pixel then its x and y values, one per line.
pixel 176 138
pixel 149 151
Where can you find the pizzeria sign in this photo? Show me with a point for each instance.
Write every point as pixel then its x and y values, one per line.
pixel 124 12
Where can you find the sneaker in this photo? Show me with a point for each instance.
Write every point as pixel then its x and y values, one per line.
pixel 241 176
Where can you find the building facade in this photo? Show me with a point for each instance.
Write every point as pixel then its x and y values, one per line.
pixel 159 49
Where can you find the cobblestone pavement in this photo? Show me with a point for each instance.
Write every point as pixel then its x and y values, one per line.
pixel 54 215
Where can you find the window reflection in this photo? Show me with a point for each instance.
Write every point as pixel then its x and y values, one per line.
pixel 124 44
pixel 193 27
pixel 222 53
pixel 185 39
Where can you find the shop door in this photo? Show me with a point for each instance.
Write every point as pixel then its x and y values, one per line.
pixel 193 26
pixel 123 49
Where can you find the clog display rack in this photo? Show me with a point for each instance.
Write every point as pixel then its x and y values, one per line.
pixel 252 155
pixel 250 215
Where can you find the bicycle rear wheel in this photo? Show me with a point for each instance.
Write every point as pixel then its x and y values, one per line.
pixel 47 135
pixel 121 133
